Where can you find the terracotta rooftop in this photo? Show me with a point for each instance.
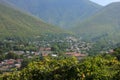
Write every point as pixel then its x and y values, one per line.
pixel 75 54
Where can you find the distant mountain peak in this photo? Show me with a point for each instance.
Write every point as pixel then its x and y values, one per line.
pixel 105 24
pixel 63 13
pixel 115 3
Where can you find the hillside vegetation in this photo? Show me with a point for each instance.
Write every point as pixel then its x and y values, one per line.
pixel 63 13
pixel 103 25
pixel 14 23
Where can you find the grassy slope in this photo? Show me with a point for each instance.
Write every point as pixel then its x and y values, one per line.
pixel 16 23
pixel 105 23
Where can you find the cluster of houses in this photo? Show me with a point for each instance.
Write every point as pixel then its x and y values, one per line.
pixel 108 52
pixel 47 51
pixel 77 55
pixel 77 45
pixel 8 65
pixel 76 48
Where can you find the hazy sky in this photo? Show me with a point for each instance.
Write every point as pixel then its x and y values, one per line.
pixel 104 2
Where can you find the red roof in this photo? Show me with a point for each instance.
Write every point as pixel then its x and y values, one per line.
pixel 44 54
pixel 75 54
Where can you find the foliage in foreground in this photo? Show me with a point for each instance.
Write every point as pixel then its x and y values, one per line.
pixel 103 67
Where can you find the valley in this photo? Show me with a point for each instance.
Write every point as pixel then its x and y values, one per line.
pixel 59 40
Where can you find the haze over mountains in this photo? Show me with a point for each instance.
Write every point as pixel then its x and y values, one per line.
pixel 105 23
pixel 14 23
pixel 63 13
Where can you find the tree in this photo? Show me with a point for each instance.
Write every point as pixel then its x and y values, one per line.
pixel 91 68
pixel 11 55
pixel 55 49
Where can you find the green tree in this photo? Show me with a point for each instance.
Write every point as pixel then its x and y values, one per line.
pixel 11 55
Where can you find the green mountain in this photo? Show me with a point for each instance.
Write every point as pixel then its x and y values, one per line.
pixel 15 23
pixel 63 13
pixel 103 25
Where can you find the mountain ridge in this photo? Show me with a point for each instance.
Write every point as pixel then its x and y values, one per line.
pixel 63 13
pixel 106 22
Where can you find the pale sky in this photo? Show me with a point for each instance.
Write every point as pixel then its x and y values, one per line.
pixel 104 2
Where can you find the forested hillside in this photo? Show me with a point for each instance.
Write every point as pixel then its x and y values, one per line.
pixel 103 25
pixel 14 23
